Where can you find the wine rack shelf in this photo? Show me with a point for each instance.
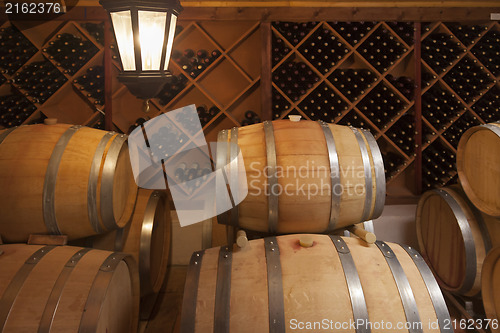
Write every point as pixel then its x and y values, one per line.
pixel 360 74
pixel 40 65
pixel 363 74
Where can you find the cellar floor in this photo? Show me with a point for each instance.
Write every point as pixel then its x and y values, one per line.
pixel 165 315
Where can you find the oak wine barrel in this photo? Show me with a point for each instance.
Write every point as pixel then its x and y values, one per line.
pixel 491 287
pixel 67 289
pixel 478 158
pixel 147 238
pixel 63 179
pixel 276 285
pixel 303 176
pixel 454 237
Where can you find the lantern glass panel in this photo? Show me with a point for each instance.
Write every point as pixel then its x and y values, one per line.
pixel 151 36
pixel 122 23
pixel 170 41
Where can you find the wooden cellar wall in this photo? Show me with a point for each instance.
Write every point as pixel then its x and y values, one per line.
pixel 275 69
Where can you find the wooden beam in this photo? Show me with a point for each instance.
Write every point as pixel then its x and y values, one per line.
pixel 410 14
pixel 266 69
pixel 427 11
pixel 108 74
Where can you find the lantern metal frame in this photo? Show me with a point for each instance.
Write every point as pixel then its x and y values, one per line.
pixel 144 84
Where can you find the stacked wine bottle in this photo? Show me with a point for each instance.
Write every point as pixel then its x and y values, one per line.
pixel 294 32
pixel 382 105
pixel 15 50
pixel 438 165
pixel 280 105
pixel 295 79
pixel 39 80
pixel 440 51
pixel 14 110
pixel 70 52
pixel 172 88
pixel 402 134
pixel 467 34
pixel 96 30
pixel 194 63
pixel 392 162
pixel 280 49
pixel 487 51
pixel 455 131
pixel 205 114
pixel 382 49
pixel 488 107
pixel 352 83
pixel 193 177
pixel 251 117
pixel 468 79
pixel 323 50
pixel 440 107
pixel 405 30
pixel 323 104
pixel 352 32
pixel 91 84
pixel 166 141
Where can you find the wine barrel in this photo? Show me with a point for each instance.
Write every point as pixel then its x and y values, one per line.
pixel 63 179
pixel 67 289
pixel 147 238
pixel 303 176
pixel 454 237
pixel 276 285
pixel 478 157
pixel 491 288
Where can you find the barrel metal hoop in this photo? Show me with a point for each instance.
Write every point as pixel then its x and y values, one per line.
pixel 222 308
pixel 55 295
pixel 188 315
pixel 334 176
pixel 470 249
pixel 493 128
pixel 6 133
pixel 378 164
pixel 145 241
pixel 368 173
pixel 482 226
pixel 221 162
pixel 49 185
pixel 274 286
pixel 92 184
pixel 272 179
pixel 107 180
pixel 98 291
pixel 404 288
pixel 233 175
pixel 442 314
pixel 357 296
pixel 10 294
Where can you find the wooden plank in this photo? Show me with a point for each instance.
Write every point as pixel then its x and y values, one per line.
pixel 266 67
pixel 108 74
pixel 339 14
pixel 324 3
pixel 47 240
pixel 444 12
pixel 338 4
pixel 418 109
